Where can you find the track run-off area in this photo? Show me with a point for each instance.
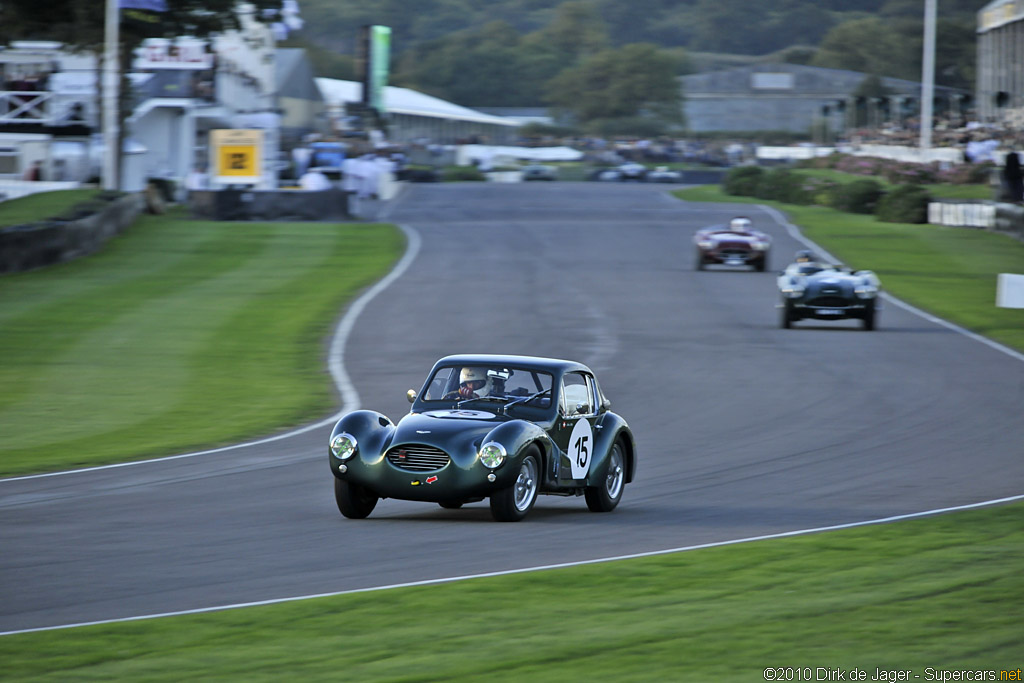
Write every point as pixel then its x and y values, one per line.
pixel 744 430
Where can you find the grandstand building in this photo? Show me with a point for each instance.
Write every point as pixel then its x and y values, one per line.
pixel 1000 64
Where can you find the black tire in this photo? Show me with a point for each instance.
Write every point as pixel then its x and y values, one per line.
pixel 354 501
pixel 786 316
pixel 869 322
pixel 511 504
pixel 761 264
pixel 606 495
pixel 700 260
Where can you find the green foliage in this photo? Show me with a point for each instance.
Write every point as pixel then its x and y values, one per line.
pixel 892 46
pixel 742 180
pixel 452 174
pixel 782 185
pixel 904 204
pixel 506 52
pixel 860 196
pixel 632 81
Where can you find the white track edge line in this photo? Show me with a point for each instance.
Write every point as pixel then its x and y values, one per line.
pixel 335 363
pixel 526 570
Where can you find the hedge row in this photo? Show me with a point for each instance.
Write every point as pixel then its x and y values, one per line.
pixel 904 204
pixel 905 172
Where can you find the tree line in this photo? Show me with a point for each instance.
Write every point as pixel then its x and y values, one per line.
pixel 607 61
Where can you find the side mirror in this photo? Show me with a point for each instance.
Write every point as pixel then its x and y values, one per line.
pixel 411 395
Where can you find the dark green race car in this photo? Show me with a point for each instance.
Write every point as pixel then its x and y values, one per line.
pixel 506 428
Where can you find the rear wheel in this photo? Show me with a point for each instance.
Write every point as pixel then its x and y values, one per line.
pixel 511 504
pixel 354 501
pixel 700 260
pixel 607 494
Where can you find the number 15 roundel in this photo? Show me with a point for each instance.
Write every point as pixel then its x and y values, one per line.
pixel 581 448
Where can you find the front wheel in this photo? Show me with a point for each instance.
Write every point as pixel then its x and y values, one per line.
pixel 786 315
pixel 607 494
pixel 868 322
pixel 354 501
pixel 512 504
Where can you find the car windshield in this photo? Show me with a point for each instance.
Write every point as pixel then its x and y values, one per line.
pixel 497 383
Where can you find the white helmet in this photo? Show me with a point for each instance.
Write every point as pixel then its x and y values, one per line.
pixel 740 224
pixel 480 383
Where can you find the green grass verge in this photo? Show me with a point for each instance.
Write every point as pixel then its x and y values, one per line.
pixel 179 335
pixel 950 272
pixel 940 592
pixel 41 205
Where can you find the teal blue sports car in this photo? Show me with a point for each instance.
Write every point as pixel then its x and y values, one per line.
pixel 503 428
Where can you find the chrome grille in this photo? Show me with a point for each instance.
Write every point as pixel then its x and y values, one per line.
pixel 415 457
pixel 828 302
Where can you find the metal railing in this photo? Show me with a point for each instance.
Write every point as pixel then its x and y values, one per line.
pixel 26 106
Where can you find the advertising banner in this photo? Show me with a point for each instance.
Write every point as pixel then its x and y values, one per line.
pixel 236 155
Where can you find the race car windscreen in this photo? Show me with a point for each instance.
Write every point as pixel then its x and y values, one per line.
pixel 493 381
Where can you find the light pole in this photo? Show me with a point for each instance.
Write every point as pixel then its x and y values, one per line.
pixel 111 85
pixel 927 78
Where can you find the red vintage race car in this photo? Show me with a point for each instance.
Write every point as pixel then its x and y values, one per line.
pixel 737 244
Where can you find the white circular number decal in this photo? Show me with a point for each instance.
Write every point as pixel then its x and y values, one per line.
pixel 581 448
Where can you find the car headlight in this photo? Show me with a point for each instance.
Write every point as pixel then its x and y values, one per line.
pixel 343 446
pixel 865 291
pixel 705 244
pixel 760 246
pixel 793 291
pixel 492 454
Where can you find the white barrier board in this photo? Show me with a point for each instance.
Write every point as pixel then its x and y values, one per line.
pixel 1010 291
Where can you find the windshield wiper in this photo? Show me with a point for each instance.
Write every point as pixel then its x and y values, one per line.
pixel 527 399
pixel 503 399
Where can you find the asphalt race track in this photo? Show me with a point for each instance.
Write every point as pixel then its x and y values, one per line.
pixel 743 429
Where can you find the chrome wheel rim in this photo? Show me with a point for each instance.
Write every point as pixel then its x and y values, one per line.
pixel 616 474
pixel 526 485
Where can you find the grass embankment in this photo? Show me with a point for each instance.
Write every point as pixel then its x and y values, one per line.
pixel 42 205
pixel 939 592
pixel 950 272
pixel 180 334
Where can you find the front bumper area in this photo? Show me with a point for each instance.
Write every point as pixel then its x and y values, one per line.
pixel 460 479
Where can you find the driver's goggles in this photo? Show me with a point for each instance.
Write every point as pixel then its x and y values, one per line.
pixel 474 384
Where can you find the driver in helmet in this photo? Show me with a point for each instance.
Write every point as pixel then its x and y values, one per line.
pixel 805 256
pixel 740 224
pixel 807 263
pixel 474 383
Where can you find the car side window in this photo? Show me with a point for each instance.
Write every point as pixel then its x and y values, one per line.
pixel 441 384
pixel 577 395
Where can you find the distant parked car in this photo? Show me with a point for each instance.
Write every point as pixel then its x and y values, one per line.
pixel 822 291
pixel 539 172
pixel 632 171
pixel 664 174
pixel 737 244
